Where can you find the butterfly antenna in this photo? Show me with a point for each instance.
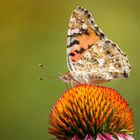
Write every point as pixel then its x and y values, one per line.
pixel 51 69
pixel 46 78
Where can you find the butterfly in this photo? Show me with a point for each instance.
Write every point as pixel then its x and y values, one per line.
pixel 91 57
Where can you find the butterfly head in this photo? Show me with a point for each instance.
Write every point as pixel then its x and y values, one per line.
pixel 66 78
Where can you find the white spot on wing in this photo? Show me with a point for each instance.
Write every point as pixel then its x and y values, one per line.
pixel 101 61
pixel 68 41
pixel 101 44
pixel 69 31
pixel 84 26
pixel 113 69
pixel 72 47
pixel 88 55
pixel 72 19
pixel 80 62
pixel 76 30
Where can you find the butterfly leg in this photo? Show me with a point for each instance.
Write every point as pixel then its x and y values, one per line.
pixel 66 85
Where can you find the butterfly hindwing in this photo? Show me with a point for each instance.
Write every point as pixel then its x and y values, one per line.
pixel 103 62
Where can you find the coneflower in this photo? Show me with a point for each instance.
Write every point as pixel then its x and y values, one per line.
pixel 87 112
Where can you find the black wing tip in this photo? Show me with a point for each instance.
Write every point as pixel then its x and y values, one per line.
pixel 82 9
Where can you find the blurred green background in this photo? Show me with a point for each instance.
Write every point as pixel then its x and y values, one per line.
pixel 33 32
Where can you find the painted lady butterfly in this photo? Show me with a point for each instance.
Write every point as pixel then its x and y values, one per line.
pixel 91 57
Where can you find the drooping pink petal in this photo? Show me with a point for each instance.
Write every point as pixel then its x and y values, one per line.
pixel 127 137
pixel 100 137
pixel 75 138
pixel 88 137
pixel 119 136
pixel 109 137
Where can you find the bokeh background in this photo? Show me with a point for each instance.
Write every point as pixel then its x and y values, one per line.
pixel 33 32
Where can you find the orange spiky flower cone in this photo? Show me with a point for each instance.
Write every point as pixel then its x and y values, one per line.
pixel 91 113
